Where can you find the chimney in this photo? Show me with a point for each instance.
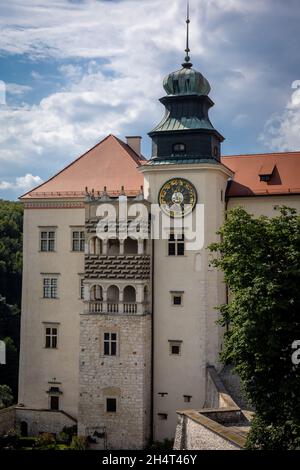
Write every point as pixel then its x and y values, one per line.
pixel 134 142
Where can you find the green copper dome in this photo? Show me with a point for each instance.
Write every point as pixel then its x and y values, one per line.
pixel 186 81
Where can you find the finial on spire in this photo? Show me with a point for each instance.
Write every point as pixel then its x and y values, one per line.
pixel 187 64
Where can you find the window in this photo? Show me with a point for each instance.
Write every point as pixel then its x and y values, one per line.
pixel 51 337
pixel 179 148
pixel 162 416
pixel 50 288
pixel 82 288
pixel 176 245
pixel 111 405
pixel 47 239
pixel 78 240
pixel 177 297
pixel 175 347
pixel 54 403
pixel 110 344
pixel 216 151
pixel 187 398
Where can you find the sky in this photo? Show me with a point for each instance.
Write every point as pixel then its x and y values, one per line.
pixel 74 71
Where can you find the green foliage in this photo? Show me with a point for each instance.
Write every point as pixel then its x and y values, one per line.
pixel 66 435
pixel 6 397
pixel 45 441
pixel 11 221
pixel 10 334
pixel 260 259
pixel 79 443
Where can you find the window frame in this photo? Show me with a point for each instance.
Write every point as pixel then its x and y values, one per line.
pixel 110 399
pixel 181 151
pixel 56 397
pixel 80 240
pixel 176 294
pixel 110 346
pixel 50 338
pixel 47 243
pixel 175 343
pixel 176 243
pixel 51 288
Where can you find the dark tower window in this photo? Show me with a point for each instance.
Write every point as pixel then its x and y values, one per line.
pixel 111 405
pixel 54 402
pixel 179 149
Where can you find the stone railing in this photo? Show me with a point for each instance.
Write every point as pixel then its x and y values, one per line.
pixel 118 308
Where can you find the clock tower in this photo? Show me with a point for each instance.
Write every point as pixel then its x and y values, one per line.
pixel 185 173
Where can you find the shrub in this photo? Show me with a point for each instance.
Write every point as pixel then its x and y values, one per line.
pixel 79 443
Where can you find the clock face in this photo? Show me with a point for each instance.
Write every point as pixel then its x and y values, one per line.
pixel 177 197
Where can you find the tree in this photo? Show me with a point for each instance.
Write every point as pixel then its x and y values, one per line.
pixel 6 397
pixel 260 258
pixel 11 222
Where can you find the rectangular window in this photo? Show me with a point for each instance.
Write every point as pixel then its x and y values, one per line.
pixel 110 344
pixel 187 398
pixel 47 240
pixel 78 240
pixel 176 245
pixel 50 288
pixel 54 403
pixel 162 416
pixel 175 347
pixel 51 337
pixel 111 405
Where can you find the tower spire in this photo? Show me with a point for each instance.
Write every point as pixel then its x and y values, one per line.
pixel 187 64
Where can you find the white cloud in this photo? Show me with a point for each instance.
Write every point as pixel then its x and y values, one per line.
pixel 22 182
pixel 282 130
pixel 17 89
pixel 120 53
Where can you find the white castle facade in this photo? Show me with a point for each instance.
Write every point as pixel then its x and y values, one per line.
pixel 117 334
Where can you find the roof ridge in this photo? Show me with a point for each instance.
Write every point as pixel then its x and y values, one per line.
pixel 119 141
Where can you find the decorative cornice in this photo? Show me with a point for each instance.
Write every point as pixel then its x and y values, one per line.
pixel 53 204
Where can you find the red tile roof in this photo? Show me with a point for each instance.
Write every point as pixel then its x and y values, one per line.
pixel 111 163
pixel 247 169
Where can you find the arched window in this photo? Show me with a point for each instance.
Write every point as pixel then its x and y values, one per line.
pixel 113 294
pixel 130 246
pixel 96 293
pixel 179 148
pixel 129 294
pixel 113 247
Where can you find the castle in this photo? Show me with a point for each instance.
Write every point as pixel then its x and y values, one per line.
pixel 118 332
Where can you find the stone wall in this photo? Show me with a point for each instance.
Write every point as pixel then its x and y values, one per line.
pixel 39 421
pixel 7 419
pixel 126 377
pixel 191 435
